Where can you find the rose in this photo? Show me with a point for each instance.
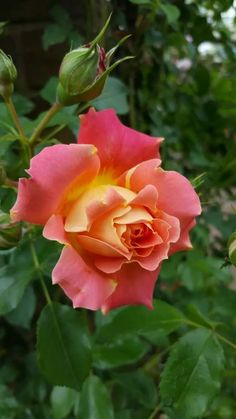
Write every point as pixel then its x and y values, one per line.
pixel 118 213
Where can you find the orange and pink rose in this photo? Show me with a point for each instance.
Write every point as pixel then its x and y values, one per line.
pixel 115 210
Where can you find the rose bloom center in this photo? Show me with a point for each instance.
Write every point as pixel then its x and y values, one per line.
pixel 108 221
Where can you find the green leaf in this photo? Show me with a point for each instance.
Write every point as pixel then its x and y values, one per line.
pixel 63 345
pixel 195 315
pixel 191 376
pixel 202 79
pixel 224 305
pixel 114 95
pixel 139 387
pixel 22 104
pixel 48 254
pixel 8 405
pixel 12 286
pixel 2 27
pixel 197 267
pixel 123 352
pixel 23 313
pixel 199 180
pixel 62 17
pixel 62 401
pixel 130 320
pixel 5 143
pixel 95 402
pixel 172 12
pixel 53 35
pixel 65 117
pixel 133 413
pixel 48 92
pixel 141 1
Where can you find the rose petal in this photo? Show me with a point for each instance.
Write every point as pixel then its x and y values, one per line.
pixel 173 223
pixel 119 147
pixel 176 196
pixel 147 197
pixel 144 243
pixel 139 176
pixel 108 264
pixel 93 204
pixel 135 215
pixel 104 228
pixel 162 228
pixel 143 252
pixel 153 261
pixel 134 286
pixel 53 170
pixel 54 229
pixel 184 243
pixel 84 285
pixel 100 247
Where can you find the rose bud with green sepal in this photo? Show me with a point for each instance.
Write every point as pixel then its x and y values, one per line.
pixel 10 232
pixel 8 74
pixel 84 71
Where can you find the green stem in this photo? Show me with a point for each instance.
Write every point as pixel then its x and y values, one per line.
pixel 50 303
pixel 54 132
pixel 218 335
pixel 153 360
pixel 11 183
pixel 51 112
pixel 83 107
pixel 15 118
pixel 22 137
pixel 227 341
pixel 155 411
pixel 38 269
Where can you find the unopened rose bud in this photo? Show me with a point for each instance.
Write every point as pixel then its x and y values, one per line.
pixel 79 69
pixel 84 71
pixel 8 75
pixel 232 248
pixel 10 233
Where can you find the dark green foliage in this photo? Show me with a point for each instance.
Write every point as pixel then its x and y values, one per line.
pixel 63 345
pixel 94 400
pixel 191 376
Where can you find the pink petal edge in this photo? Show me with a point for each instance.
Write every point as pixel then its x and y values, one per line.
pixel 85 286
pixel 119 147
pixel 52 171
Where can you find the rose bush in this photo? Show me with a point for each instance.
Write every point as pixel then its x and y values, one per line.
pixel 117 212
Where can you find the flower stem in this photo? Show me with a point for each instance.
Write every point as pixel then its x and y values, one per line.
pixel 155 411
pixel 22 137
pixel 227 341
pixel 83 107
pixel 39 272
pixel 51 112
pixel 11 183
pixel 154 359
pixel 218 335
pixel 15 118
